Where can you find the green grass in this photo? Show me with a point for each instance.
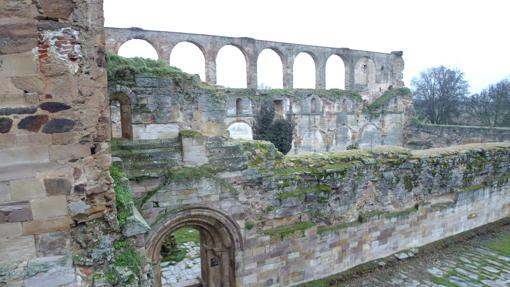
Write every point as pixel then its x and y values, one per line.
pixel 386 97
pixel 186 234
pixel 285 231
pixel 123 197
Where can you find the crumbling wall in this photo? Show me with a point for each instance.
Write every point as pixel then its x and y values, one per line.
pixel 55 185
pixel 324 120
pixel 427 135
pixel 306 217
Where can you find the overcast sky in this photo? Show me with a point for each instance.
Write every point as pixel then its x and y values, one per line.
pixel 472 36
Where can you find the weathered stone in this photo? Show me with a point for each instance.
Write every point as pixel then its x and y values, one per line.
pixel 50 271
pixel 57 186
pixel 135 224
pixel 58 126
pixel 69 152
pixel 78 209
pixel 49 207
pixel 20 248
pixel 54 107
pixel 26 189
pixel 58 9
pixel 23 155
pixel 15 212
pixel 10 229
pixel 17 38
pixel 33 123
pixel 5 125
pixel 51 244
pixel 45 226
pixel 17 111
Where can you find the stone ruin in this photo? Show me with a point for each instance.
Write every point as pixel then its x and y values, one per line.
pixel 68 217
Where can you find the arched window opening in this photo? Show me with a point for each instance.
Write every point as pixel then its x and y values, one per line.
pixel 239 106
pixel 240 130
pixel 304 71
pixel 231 67
pixel 120 117
pixel 335 73
pixel 180 258
pixel 189 58
pixel 138 48
pixel 269 70
pixel 314 106
pixel 278 109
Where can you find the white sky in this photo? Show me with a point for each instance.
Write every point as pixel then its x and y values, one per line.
pixel 472 36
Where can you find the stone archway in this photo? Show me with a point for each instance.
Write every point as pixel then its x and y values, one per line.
pixel 220 238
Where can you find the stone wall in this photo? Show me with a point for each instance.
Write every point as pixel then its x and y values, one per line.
pixel 369 73
pixel 427 135
pixel 324 120
pixel 54 134
pixel 306 217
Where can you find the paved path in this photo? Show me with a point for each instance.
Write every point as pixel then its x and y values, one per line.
pixel 184 273
pixel 481 261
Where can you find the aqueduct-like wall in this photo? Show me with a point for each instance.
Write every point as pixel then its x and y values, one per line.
pixel 368 72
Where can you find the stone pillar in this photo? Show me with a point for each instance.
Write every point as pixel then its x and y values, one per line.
pixel 288 72
pixel 164 52
pixel 349 72
pixel 251 69
pixel 320 73
pixel 210 65
pixel 54 134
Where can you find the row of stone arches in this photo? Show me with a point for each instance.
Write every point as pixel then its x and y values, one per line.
pixel 231 65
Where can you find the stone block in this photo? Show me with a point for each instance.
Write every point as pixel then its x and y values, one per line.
pixel 16 38
pixel 32 123
pixel 69 152
pixel 58 126
pixel 18 248
pixel 49 207
pixel 26 189
pixel 49 225
pixel 53 243
pixel 194 151
pixel 57 186
pixel 10 229
pixel 135 224
pixel 5 125
pixel 23 155
pixel 15 212
pixel 5 196
pixel 50 271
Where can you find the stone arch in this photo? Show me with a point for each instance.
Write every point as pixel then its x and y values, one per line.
pixel 314 104
pixel 121 99
pixel 241 79
pixel 264 68
pixel 136 40
pixel 240 130
pixel 220 238
pixel 371 136
pixel 365 72
pixel 303 76
pixel 335 72
pixel 192 58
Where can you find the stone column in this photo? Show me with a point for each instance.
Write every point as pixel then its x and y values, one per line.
pixel 251 69
pixel 349 72
pixel 164 51
pixel 320 73
pixel 210 65
pixel 288 72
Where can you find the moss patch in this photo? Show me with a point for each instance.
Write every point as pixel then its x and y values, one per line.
pixel 123 197
pixel 285 231
pixel 386 97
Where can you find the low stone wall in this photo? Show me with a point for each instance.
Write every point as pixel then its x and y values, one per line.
pixel 305 217
pixel 426 135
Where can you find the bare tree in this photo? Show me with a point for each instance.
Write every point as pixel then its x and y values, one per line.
pixel 438 94
pixel 491 107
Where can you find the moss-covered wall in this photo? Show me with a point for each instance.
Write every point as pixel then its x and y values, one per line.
pixel 340 199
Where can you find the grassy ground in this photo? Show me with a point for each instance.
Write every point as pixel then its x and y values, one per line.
pixel 182 235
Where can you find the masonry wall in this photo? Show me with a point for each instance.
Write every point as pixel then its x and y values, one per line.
pixel 306 217
pixel 427 135
pixel 324 120
pixel 54 133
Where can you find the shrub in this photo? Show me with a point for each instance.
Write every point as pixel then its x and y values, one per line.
pixel 279 131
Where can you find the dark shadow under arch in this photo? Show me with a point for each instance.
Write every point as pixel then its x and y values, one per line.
pixel 125 113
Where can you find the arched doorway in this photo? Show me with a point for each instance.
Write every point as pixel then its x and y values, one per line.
pixel 121 117
pixel 220 238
